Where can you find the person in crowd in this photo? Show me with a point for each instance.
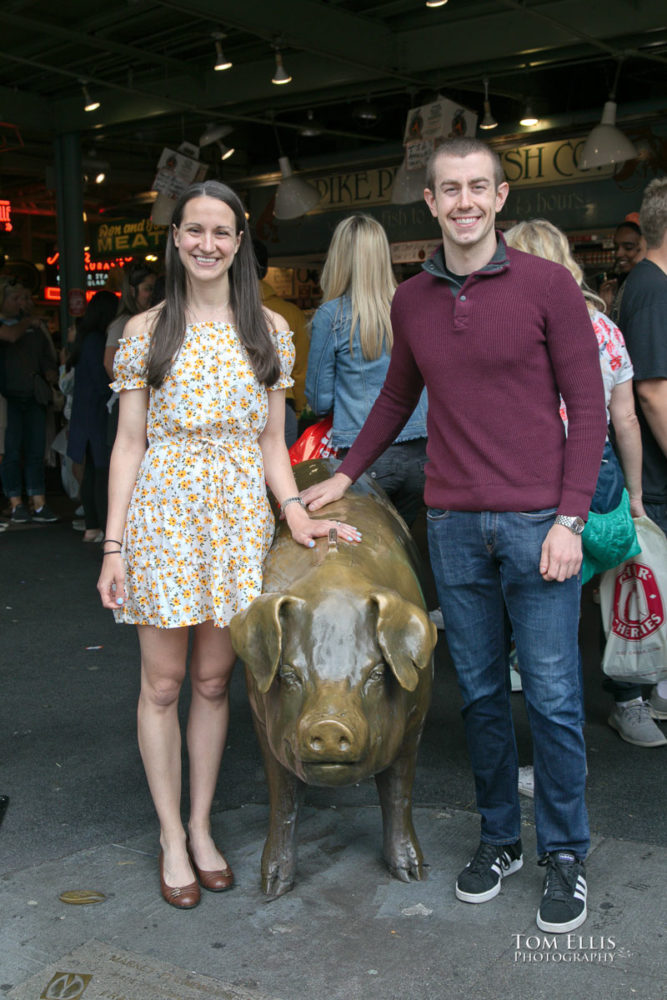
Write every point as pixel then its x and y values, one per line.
pixel 28 368
pixel 629 249
pixel 87 442
pixel 136 296
pixel 295 397
pixel 497 336
pixel 13 320
pixel 630 716
pixel 351 341
pixel 643 320
pixel 202 379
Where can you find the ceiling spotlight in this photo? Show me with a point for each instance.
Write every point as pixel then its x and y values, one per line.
pixel 88 103
pixel 225 151
pixel 367 112
pixel 436 3
pixel 280 74
pixel 488 121
pixel 220 62
pixel 100 178
pixel 214 132
pixel 529 118
pixel 312 126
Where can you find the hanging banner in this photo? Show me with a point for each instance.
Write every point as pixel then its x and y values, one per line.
pixel 176 171
pixel 430 124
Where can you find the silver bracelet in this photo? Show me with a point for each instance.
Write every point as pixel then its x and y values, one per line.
pixel 292 500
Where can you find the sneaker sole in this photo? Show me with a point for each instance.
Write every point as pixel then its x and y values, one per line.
pixel 484 897
pixel 636 743
pixel 655 713
pixel 571 925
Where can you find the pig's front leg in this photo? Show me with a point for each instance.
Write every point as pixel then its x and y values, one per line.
pixel 402 852
pixel 285 793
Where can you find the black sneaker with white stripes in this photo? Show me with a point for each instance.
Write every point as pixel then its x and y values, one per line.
pixel 563 906
pixel 480 879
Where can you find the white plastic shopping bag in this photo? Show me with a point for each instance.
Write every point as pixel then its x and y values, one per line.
pixel 633 599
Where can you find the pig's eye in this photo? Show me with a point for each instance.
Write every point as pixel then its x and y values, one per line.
pixel 376 675
pixel 288 676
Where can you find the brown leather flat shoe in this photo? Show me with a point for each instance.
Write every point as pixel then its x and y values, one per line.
pixel 183 897
pixel 217 881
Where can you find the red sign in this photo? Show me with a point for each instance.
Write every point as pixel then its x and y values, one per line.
pixel 5 216
pixel 76 301
pixel 638 608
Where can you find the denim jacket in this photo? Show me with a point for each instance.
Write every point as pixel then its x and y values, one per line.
pixel 346 382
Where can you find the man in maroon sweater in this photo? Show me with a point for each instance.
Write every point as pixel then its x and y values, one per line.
pixel 495 335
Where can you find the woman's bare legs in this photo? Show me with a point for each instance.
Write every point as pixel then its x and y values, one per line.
pixel 163 658
pixel 210 672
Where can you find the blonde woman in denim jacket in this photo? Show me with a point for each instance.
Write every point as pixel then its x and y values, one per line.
pixel 350 345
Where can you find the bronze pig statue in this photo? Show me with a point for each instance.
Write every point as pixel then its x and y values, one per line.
pixel 338 652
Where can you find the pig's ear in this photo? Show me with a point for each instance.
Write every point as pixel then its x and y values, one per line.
pixel 257 635
pixel 406 636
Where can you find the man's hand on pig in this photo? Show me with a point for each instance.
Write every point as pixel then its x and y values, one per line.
pixel 326 492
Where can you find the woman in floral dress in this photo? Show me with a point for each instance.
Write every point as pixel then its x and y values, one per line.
pixel 201 379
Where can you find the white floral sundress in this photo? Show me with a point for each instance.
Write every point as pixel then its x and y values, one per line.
pixel 199 523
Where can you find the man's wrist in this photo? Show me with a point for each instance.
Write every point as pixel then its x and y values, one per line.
pixel 573 523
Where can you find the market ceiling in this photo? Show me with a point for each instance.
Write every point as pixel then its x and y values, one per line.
pixel 150 64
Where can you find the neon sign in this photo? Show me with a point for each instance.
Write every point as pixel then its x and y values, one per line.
pixel 6 225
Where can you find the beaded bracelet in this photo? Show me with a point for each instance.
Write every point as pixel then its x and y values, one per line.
pixel 292 500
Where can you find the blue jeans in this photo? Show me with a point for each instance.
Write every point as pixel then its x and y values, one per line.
pixel 658 513
pixel 25 434
pixel 486 564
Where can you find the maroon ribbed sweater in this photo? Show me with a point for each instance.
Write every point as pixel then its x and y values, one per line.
pixel 493 359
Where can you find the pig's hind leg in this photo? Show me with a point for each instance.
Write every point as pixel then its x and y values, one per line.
pixel 285 794
pixel 401 849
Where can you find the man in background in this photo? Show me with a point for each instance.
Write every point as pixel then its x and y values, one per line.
pixel 643 321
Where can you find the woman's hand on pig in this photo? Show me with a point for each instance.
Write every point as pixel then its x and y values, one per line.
pixel 306 529
pixel 326 492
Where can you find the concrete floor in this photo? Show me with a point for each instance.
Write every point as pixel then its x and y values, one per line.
pixel 80 817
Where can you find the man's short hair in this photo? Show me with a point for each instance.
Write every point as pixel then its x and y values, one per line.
pixel 629 224
pixel 653 213
pixel 463 147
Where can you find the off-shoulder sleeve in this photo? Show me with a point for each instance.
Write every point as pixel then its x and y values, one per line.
pixel 130 363
pixel 285 348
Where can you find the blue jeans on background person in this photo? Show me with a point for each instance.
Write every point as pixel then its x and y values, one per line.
pixel 25 435
pixel 483 563
pixel 658 514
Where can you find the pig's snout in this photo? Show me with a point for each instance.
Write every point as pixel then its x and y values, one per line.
pixel 327 740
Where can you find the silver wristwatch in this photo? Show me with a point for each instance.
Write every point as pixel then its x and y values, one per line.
pixel 575 524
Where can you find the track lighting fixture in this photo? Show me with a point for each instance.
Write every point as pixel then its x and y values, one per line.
pixel 488 121
pixel 88 103
pixel 220 62
pixel 280 74
pixel 528 118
